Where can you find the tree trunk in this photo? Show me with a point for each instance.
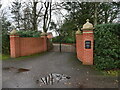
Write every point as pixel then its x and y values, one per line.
pixel 34 15
pixel 106 17
pixel 95 14
pixel 47 16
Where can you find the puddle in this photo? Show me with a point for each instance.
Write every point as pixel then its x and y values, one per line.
pixel 23 70
pixel 18 70
pixel 52 78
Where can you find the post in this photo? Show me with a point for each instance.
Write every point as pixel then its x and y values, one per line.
pixel 60 43
pixel 14 44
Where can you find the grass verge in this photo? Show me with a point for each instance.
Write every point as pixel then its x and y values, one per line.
pixel 111 72
pixel 4 57
pixel 7 57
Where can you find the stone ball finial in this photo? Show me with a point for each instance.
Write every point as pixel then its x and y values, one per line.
pixel 78 31
pixel 43 34
pixel 13 32
pixel 87 20
pixel 87 26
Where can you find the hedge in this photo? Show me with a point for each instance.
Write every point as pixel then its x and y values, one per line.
pixel 4 35
pixel 5 44
pixel 107 46
pixel 29 33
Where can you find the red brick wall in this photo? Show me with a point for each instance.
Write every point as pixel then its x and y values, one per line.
pixel 20 46
pixel 30 46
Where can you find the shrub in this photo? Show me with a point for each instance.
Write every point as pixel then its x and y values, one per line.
pixel 56 39
pixel 107 46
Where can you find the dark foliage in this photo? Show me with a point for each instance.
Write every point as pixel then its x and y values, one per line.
pixel 107 46
pixel 29 33
pixel 66 39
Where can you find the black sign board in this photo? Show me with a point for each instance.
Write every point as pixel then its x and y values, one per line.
pixel 87 44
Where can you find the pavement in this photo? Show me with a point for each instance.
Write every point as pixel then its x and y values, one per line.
pixel 54 62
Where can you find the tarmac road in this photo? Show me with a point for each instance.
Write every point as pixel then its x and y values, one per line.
pixel 54 62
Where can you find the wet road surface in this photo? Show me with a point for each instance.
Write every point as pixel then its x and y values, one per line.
pixel 53 62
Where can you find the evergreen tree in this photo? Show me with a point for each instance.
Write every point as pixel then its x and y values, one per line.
pixel 26 19
pixel 15 10
pixel 6 26
pixel 97 12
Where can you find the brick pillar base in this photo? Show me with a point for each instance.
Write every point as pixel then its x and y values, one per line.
pixel 14 46
pixel 88 52
pixel 45 42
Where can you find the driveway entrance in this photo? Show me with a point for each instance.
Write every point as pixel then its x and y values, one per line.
pixel 54 62
pixel 64 47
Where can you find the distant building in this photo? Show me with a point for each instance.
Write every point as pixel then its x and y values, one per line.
pixel 49 35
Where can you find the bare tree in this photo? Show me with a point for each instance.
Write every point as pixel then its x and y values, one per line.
pixel 36 13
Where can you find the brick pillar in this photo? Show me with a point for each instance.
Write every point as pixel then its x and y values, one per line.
pixel 84 44
pixel 44 36
pixel 14 46
pixel 79 45
pixel 45 43
pixel 87 40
